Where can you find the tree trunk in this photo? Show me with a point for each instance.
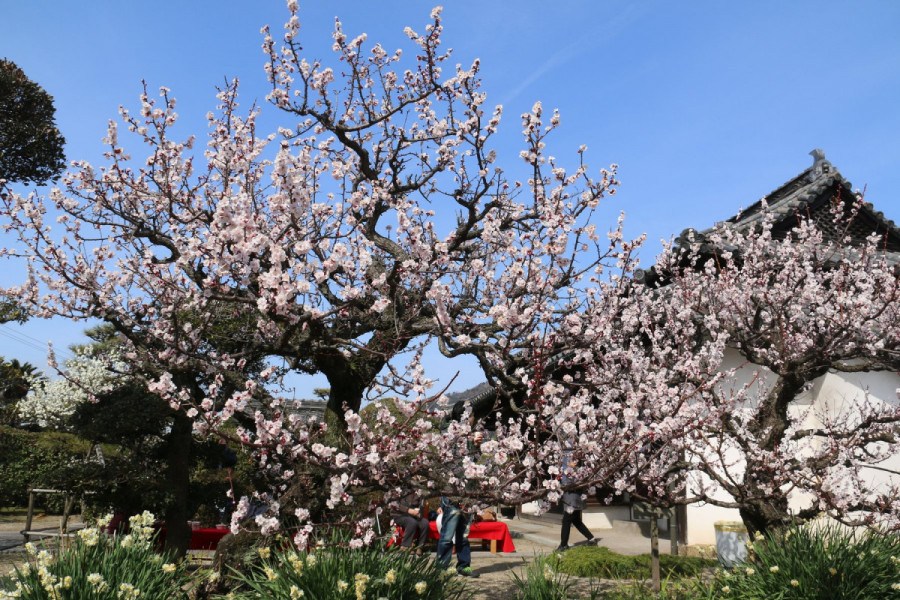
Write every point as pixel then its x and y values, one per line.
pixel 347 380
pixel 178 477
pixel 763 511
pixel 765 516
pixel 344 391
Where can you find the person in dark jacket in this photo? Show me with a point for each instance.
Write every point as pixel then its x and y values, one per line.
pixel 410 515
pixel 573 504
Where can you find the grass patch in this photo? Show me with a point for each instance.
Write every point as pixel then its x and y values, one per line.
pixel 597 561
pixel 13 514
pixel 669 590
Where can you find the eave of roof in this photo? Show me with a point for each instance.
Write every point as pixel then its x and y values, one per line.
pixel 820 181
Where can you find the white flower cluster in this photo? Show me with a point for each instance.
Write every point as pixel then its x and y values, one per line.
pixel 52 403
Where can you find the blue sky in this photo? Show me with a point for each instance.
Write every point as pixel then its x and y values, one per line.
pixel 706 106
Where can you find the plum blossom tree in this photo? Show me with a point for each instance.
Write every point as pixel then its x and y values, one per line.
pixel 378 219
pixel 338 251
pixel 796 307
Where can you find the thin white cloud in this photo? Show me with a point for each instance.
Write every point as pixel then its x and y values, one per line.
pixel 609 31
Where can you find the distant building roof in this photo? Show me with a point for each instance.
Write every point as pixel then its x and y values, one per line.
pixel 809 194
pixel 309 409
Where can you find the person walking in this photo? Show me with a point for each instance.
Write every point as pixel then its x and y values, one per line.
pixel 573 504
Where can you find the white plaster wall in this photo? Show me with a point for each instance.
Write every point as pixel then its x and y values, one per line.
pixel 529 508
pixel 604 517
pixel 594 517
pixel 832 396
pixel 701 517
pixel 838 396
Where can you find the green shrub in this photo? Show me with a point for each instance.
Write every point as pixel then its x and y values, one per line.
pixel 30 459
pixel 100 567
pixel 338 572
pixel 56 460
pixel 597 561
pixel 816 561
pixel 541 582
pixel 129 480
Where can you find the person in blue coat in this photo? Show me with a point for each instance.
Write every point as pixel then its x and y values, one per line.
pixel 455 526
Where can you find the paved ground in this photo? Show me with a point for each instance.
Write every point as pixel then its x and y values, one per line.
pixel 11 526
pixel 12 551
pixel 532 537
pixel 542 535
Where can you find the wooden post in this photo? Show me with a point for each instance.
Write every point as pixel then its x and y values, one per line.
pixel 654 554
pixel 30 514
pixel 673 533
pixel 644 510
pixel 68 503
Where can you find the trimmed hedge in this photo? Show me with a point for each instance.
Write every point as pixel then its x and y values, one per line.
pixel 36 459
pixel 128 482
pixel 597 561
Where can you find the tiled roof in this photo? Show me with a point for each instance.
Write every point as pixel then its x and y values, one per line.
pixel 810 193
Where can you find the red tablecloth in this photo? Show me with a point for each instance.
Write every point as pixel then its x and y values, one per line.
pixel 483 530
pixel 205 538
